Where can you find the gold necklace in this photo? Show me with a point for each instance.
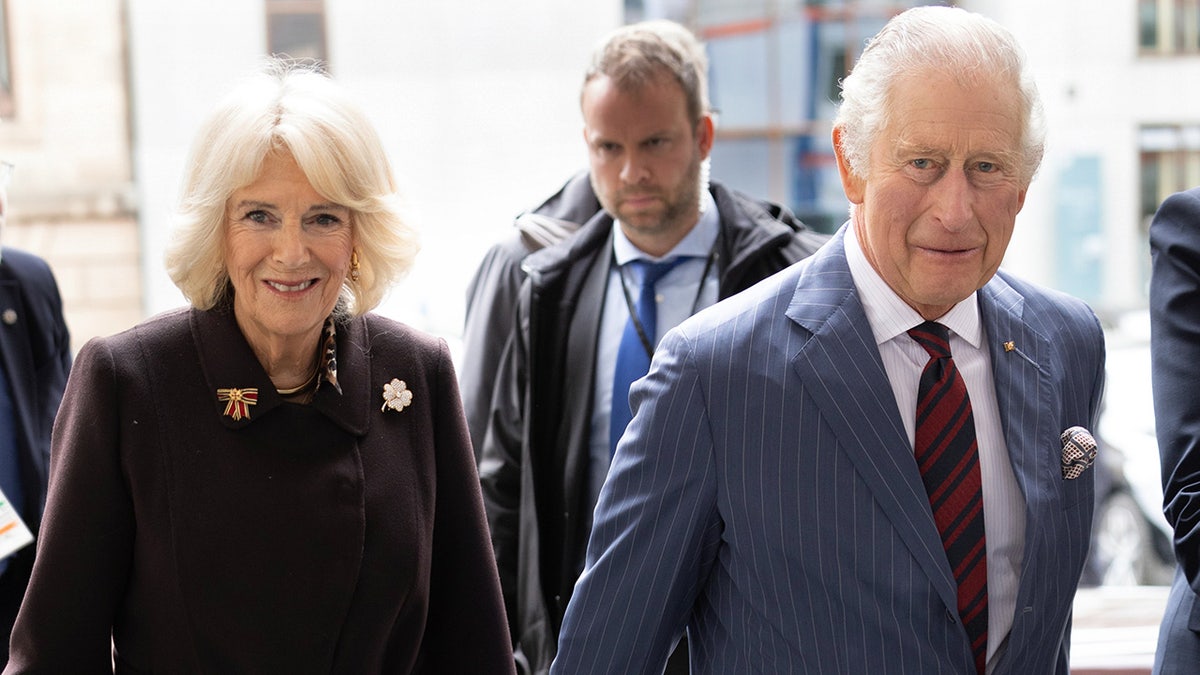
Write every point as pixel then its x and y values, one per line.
pixel 302 385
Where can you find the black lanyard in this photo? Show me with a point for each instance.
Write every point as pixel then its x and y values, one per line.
pixel 637 324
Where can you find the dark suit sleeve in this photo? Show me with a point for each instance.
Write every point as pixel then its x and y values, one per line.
pixel 1175 350
pixel 491 307
pixel 86 541
pixel 466 632
pixel 656 532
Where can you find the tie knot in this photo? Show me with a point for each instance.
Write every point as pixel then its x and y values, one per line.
pixel 934 337
pixel 653 271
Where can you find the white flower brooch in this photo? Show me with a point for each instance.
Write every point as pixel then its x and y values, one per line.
pixel 396 395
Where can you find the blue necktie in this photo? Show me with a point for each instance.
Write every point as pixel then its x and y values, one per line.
pixel 632 360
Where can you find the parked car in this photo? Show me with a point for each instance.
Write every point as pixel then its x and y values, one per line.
pixel 1131 539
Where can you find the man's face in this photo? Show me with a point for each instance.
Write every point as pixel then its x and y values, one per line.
pixel 936 211
pixel 645 157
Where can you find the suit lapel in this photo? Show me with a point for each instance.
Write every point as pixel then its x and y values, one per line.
pixel 582 339
pixel 1023 387
pixel 841 369
pixel 1022 372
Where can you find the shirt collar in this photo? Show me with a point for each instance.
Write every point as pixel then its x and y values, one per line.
pixel 697 243
pixel 888 314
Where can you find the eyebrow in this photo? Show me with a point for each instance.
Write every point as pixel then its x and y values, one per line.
pixel 323 206
pixel 660 133
pixel 903 148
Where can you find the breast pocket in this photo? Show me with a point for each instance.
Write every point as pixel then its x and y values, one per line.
pixel 1080 490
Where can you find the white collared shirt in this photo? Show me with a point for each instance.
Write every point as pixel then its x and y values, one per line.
pixel 903 359
pixel 678 298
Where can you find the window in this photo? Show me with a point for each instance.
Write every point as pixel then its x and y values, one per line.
pixel 1170 163
pixel 296 28
pixel 1169 26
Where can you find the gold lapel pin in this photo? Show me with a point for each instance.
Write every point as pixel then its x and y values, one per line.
pixel 1009 346
pixel 238 401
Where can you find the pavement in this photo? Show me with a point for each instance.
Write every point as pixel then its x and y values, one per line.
pixel 1115 629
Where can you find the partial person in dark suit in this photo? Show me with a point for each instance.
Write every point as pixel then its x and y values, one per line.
pixel 561 392
pixel 273 480
pixel 35 357
pixel 859 465
pixel 1175 354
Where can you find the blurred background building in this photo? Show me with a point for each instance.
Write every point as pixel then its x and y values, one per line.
pixel 65 101
pixel 478 103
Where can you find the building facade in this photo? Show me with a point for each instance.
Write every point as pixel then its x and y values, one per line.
pixel 1124 127
pixel 65 126
pixel 478 107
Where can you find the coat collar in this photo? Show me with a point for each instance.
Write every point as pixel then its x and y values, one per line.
pixel 229 363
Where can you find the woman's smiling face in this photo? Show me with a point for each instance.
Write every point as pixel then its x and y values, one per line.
pixel 287 251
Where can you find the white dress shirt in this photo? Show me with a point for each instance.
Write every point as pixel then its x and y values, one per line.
pixel 903 359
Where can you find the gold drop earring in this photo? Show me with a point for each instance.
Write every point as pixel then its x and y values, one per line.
pixel 354 273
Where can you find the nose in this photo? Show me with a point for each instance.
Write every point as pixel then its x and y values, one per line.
pixel 954 199
pixel 633 170
pixel 290 246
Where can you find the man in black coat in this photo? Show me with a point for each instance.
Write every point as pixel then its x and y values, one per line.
pixel 494 289
pixel 558 400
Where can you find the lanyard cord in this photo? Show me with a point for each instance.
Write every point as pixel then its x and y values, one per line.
pixel 637 324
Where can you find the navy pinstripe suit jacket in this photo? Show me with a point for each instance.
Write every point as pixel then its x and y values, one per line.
pixel 766 498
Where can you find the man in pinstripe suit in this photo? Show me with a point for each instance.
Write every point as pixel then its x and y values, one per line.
pixel 766 496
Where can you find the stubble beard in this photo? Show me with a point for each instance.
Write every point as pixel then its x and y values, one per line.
pixel 678 214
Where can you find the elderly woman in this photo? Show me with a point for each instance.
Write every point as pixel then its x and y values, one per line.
pixel 272 480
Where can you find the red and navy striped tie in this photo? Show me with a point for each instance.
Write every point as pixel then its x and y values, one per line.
pixel 948 456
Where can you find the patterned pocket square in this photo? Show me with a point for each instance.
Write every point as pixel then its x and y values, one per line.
pixel 1078 452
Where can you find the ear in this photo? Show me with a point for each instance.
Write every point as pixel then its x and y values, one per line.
pixel 705 134
pixel 854 186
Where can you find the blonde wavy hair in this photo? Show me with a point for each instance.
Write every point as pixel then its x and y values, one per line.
pixel 291 106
